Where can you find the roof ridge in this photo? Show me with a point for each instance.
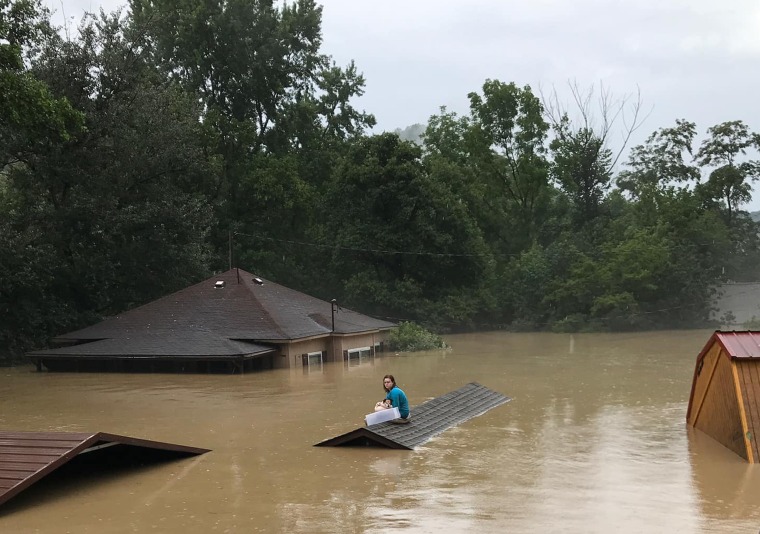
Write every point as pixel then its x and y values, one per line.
pixel 233 305
pixel 249 287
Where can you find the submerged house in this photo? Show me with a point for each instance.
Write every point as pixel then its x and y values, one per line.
pixel 725 392
pixel 231 322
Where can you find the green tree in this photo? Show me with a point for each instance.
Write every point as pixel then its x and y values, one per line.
pixel 30 116
pixel 448 145
pixel 113 214
pixel 509 147
pixel 730 179
pixel 661 161
pixel 582 157
pixel 522 289
pixel 582 168
pixel 404 247
pixel 257 69
pixel 276 114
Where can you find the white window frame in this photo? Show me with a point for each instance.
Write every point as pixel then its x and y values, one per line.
pixel 309 356
pixel 357 354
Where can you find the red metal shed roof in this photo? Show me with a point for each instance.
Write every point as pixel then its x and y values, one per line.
pixel 744 344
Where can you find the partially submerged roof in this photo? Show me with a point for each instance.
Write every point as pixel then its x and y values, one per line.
pixel 228 315
pixel 200 344
pixel 427 420
pixel 26 457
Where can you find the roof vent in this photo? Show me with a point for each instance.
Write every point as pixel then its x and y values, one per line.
pixel 258 281
pixel 219 284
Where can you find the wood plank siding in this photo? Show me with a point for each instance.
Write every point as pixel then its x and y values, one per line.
pixel 749 380
pixel 703 375
pixel 725 392
pixel 719 415
pixel 27 457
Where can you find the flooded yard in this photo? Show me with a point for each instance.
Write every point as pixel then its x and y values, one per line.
pixel 594 440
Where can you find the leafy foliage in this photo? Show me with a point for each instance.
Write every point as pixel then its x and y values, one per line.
pixel 167 142
pixel 509 133
pixel 411 337
pixel 410 244
pixel 729 181
pixel 30 116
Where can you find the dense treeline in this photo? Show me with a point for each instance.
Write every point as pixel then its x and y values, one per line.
pixel 140 155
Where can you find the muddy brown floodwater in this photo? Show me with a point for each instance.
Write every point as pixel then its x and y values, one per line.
pixel 594 441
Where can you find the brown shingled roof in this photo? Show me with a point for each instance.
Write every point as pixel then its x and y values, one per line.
pixel 187 345
pixel 204 319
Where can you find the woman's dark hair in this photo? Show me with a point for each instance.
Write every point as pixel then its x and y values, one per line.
pixel 392 380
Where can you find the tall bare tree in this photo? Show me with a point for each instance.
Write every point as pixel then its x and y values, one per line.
pixel 582 148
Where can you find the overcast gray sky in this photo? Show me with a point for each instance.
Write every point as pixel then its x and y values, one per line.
pixel 691 59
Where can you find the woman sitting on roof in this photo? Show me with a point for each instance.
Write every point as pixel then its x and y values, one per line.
pixel 397 397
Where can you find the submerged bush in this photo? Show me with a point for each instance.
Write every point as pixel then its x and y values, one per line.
pixel 410 337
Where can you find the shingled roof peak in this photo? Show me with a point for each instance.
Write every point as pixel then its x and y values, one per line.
pixel 247 307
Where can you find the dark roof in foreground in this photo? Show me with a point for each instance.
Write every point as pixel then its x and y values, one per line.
pixel 428 419
pixel 26 457
pixel 234 313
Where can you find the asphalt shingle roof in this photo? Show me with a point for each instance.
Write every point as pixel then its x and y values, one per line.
pixel 427 420
pixel 189 345
pixel 236 319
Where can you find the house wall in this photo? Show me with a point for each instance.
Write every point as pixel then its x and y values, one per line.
pixel 748 375
pixel 343 343
pixel 715 406
pixel 290 355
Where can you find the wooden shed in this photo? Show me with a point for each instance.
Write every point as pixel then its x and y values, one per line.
pixel 725 392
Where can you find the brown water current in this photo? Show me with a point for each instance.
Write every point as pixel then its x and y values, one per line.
pixel 595 441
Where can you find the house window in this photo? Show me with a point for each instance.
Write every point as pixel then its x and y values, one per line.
pixel 357 356
pixel 314 359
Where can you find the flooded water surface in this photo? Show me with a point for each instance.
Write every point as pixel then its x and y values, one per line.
pixel 594 440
